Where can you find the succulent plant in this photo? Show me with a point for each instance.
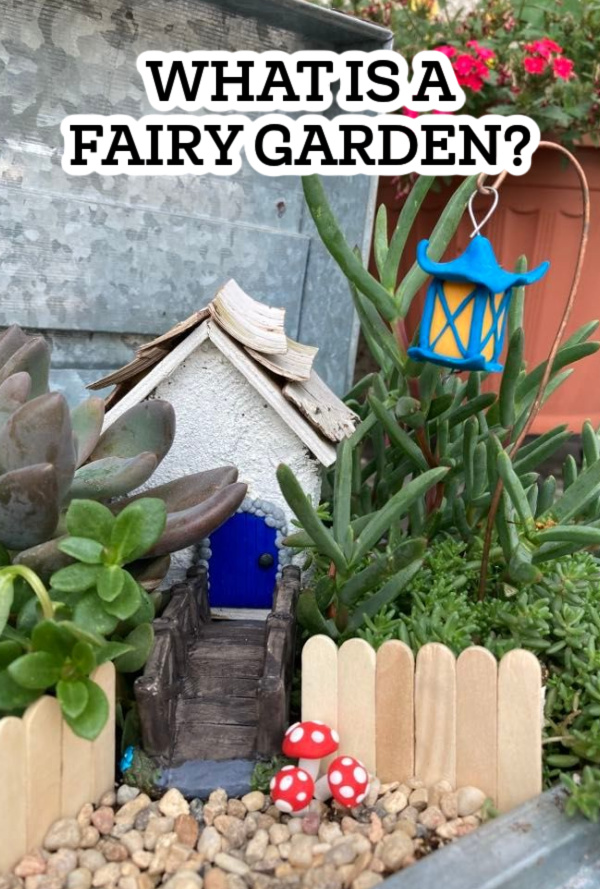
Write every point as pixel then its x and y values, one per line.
pixel 50 455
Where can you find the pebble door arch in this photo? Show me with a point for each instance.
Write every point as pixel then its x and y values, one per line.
pixel 243 564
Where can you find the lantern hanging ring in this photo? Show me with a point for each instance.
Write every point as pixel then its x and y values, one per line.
pixel 477 226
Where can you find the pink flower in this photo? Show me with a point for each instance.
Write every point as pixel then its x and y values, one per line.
pixel 446 50
pixel 544 47
pixel 534 64
pixel 409 113
pixel 483 53
pixel 563 68
pixel 463 65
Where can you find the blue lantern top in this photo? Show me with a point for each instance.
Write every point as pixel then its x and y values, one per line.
pixel 478 264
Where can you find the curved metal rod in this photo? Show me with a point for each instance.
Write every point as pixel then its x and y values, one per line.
pixel 537 404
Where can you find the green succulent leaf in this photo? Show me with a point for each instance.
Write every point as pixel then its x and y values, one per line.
pixel 6 598
pixel 137 529
pixel 87 518
pixel 90 615
pixel 73 697
pixel 53 638
pixel 13 697
pixel 111 651
pixel 83 549
pixel 76 578
pixel 140 640
pixel 83 658
pixel 9 652
pixel 310 616
pixel 37 670
pixel 91 720
pixel 111 580
pixel 128 600
pixel 307 515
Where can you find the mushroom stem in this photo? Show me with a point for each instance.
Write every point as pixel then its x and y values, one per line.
pixel 322 789
pixel 311 766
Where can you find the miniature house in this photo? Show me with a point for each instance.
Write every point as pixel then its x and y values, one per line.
pixel 245 395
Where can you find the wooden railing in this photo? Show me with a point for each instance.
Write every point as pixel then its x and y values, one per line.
pixel 47 772
pixel 470 721
pixel 274 687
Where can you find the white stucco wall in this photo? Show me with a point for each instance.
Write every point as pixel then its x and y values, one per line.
pixel 221 420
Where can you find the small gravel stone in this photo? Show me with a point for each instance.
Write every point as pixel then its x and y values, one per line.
pixel 236 809
pixel 449 804
pixel 184 880
pixel 197 810
pixel 409 814
pixel 231 865
pixel 342 853
pixel 126 793
pixel 142 859
pixel 419 798
pixel 31 865
pixel 329 831
pixel 232 829
pixel 295 826
pixel 64 833
pixel 128 813
pixel 366 880
pixel 107 874
pixel 470 799
pixel 186 828
pixel 62 863
pixel 173 804
pixel 103 819
pixel 311 824
pixel 157 827
pixel 301 847
pixel 113 850
pixel 209 843
pixel 80 878
pixel 84 816
pixel 279 833
pixel 254 801
pixel 91 859
pixel 89 837
pixel 145 816
pixel 394 803
pixel 215 878
pixel 395 849
pixel 431 817
pixel 108 799
pixel 257 847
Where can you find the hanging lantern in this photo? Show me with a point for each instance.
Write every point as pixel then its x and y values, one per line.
pixel 464 318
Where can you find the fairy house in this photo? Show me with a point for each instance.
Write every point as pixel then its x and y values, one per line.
pixel 244 394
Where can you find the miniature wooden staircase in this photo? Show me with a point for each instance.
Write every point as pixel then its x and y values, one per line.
pixel 217 710
pixel 217 689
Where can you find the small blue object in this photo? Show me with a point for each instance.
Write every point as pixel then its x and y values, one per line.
pixel 127 759
pixel 243 565
pixel 464 318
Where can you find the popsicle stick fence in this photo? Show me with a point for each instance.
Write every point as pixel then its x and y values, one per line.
pixel 47 772
pixel 470 721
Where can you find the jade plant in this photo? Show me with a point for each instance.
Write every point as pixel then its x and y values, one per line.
pixel 521 569
pixel 50 455
pixel 81 552
pixel 94 611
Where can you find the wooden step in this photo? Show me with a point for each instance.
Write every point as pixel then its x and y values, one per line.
pixel 213 741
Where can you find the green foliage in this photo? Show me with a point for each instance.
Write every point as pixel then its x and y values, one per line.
pixel 264 771
pixel 489 41
pixel 398 549
pixel 88 600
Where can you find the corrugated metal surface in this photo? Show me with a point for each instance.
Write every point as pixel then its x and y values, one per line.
pixel 103 263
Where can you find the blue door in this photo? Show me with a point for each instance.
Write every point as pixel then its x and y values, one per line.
pixel 243 563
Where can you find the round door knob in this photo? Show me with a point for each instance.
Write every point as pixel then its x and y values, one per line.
pixel 266 560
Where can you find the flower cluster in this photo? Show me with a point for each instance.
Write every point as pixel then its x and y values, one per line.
pixel 535 57
pixel 472 65
pixel 547 54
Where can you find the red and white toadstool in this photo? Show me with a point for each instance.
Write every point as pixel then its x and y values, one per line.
pixel 309 742
pixel 347 781
pixel 292 789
